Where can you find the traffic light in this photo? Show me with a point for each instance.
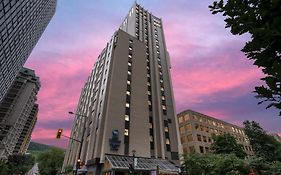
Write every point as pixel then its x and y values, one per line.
pixel 79 163
pixel 59 133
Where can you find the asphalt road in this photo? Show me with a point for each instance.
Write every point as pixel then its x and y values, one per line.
pixel 34 170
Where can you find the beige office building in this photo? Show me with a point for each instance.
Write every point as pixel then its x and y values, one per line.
pixel 128 102
pixel 196 131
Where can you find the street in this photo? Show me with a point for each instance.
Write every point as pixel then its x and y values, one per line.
pixel 34 170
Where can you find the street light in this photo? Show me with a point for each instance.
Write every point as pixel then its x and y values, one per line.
pixel 70 112
pixel 78 163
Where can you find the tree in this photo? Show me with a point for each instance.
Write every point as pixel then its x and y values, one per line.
pixel 50 162
pixel 264 145
pixel 262 20
pixel 212 164
pixel 226 144
pixel 17 164
pixel 263 167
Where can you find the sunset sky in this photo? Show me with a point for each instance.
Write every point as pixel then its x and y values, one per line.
pixel 210 74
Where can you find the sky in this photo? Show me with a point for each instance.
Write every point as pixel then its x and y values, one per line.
pixel 209 72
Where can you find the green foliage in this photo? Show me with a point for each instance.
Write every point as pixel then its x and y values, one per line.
pixel 68 169
pixel 265 168
pixel 17 164
pixel 50 162
pixel 4 169
pixel 264 145
pixel 274 168
pixel 226 144
pixel 211 164
pixel 262 20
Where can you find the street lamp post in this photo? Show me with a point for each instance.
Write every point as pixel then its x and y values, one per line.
pixel 81 142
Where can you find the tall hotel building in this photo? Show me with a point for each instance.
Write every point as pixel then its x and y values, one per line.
pixel 196 132
pixel 21 25
pixel 18 113
pixel 128 102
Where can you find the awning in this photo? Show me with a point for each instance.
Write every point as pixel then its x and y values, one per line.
pixel 145 164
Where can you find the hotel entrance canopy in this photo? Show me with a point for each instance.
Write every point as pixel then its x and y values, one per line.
pixel 120 162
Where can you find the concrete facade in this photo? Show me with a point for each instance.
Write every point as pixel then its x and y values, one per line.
pixel 21 25
pixel 18 112
pixel 127 100
pixel 196 131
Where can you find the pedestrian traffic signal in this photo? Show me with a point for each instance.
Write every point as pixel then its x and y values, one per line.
pixel 59 133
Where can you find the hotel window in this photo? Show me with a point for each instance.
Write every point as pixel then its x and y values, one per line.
pixel 188 127
pixel 127 105
pixel 126 132
pixel 128 93
pixel 167 141
pixel 192 149
pixel 149 103
pixel 182 139
pixel 196 126
pixel 128 82
pixel 199 137
pixel 164 107
pixel 186 117
pixel 127 118
pixel 129 73
pixel 204 139
pixel 182 130
pixel 150 125
pixel 195 117
pixel 151 138
pixel 166 129
pixel 209 140
pixel 201 148
pixel 180 120
pixel 189 138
